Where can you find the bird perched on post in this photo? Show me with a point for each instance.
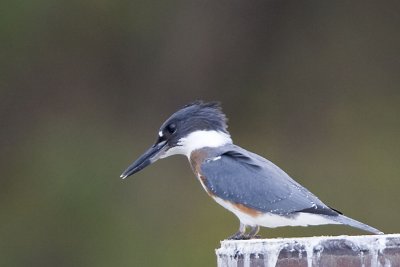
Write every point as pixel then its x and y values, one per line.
pixel 257 191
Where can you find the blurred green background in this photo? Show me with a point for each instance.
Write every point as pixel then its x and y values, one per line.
pixel 313 86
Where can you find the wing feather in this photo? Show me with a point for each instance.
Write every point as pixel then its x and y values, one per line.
pixel 242 177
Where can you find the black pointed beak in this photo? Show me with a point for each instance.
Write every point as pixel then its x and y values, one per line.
pixel 150 156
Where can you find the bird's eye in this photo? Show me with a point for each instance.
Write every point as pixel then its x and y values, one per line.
pixel 171 128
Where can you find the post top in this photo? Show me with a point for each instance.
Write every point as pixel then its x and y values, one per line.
pixel 268 252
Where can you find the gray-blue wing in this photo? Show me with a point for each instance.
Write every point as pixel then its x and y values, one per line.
pixel 242 177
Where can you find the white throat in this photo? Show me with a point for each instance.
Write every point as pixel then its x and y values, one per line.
pixel 197 140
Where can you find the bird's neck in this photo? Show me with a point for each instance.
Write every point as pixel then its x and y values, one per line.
pixel 197 140
pixel 200 139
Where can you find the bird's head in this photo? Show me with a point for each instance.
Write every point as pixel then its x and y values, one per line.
pixel 195 126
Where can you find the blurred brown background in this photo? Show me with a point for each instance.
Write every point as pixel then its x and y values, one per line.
pixel 84 86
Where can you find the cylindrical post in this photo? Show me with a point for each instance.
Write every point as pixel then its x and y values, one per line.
pixel 333 251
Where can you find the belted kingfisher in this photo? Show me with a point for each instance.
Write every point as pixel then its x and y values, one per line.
pixel 257 191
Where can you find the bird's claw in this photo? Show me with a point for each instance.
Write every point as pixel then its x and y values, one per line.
pixel 241 236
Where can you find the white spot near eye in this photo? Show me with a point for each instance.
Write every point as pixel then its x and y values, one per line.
pixel 160 134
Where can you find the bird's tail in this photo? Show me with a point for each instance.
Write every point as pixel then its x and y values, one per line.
pixel 356 224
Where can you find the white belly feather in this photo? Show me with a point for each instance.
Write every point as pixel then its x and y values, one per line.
pixel 272 220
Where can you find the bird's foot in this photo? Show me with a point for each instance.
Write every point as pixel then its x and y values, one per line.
pixel 241 234
pixel 253 232
pixel 249 236
pixel 243 237
pixel 238 236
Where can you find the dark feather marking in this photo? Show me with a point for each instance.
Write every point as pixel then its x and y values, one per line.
pixel 320 210
pixel 336 210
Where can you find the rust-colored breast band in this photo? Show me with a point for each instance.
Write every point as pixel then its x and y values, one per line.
pixel 196 159
pixel 247 210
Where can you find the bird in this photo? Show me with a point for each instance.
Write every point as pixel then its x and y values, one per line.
pixel 253 188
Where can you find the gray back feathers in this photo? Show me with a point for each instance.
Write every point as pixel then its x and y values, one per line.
pixel 242 177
